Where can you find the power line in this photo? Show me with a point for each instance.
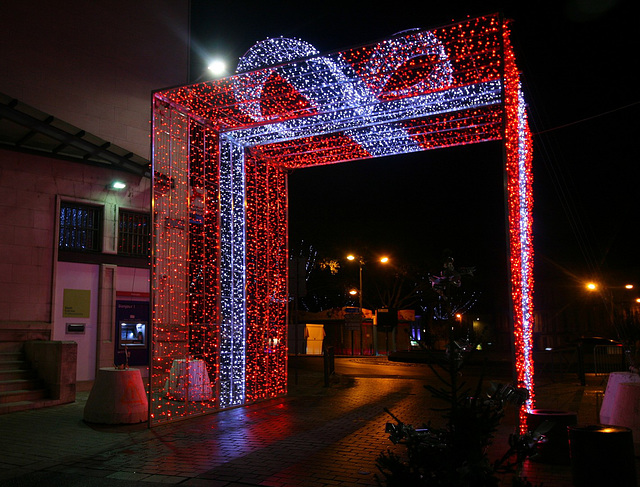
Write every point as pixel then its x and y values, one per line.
pixel 588 118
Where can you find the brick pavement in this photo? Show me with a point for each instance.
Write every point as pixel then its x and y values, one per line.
pixel 315 436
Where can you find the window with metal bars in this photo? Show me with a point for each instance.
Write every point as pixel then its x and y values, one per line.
pixel 80 227
pixel 133 233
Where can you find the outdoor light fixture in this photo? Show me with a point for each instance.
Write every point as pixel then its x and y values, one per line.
pixel 217 67
pixel 117 185
pixel 592 286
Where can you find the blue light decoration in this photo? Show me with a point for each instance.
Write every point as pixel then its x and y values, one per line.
pixel 222 149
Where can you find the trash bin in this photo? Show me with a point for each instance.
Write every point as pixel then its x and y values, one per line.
pixel 554 447
pixel 602 455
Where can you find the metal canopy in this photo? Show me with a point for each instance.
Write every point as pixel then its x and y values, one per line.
pixel 26 129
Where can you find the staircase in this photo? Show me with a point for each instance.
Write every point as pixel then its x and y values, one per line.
pixel 20 387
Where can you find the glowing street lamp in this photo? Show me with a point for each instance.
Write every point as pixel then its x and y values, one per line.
pixel 591 286
pixel 594 286
pixel 615 298
pixel 217 67
pixel 351 257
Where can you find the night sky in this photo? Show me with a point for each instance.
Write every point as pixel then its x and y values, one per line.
pixel 579 60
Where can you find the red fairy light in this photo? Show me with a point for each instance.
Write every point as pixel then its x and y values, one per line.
pixel 220 155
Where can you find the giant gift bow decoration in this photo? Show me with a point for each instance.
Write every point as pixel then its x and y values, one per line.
pixel 221 150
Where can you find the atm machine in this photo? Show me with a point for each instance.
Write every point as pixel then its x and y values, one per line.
pixel 132 333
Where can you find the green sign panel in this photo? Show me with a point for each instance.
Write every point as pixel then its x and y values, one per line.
pixel 76 303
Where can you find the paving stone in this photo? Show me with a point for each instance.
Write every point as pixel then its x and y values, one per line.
pixel 163 479
pixel 315 437
pixel 132 476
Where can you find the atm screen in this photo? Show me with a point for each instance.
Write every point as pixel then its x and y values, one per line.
pixel 133 333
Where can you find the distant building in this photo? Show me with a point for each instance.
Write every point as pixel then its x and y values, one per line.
pixel 356 336
pixel 76 80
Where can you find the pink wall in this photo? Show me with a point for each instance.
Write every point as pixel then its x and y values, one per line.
pixel 29 187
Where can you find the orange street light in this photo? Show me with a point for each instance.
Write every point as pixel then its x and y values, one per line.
pixel 353 292
pixel 591 286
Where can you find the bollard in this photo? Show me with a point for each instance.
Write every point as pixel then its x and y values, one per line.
pixel 118 396
pixel 329 364
pixel 602 455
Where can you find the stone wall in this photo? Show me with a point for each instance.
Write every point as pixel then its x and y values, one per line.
pixel 55 364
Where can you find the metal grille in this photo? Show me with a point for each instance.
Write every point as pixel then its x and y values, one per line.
pixel 133 234
pixel 608 358
pixel 80 227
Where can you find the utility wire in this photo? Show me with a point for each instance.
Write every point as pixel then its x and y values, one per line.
pixel 588 118
pixel 564 191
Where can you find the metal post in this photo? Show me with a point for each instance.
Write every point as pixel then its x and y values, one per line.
pixel 353 352
pixel 581 373
pixel 361 313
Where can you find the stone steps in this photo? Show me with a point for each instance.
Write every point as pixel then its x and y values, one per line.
pixel 15 374
pixel 20 395
pixel 12 364
pixel 20 387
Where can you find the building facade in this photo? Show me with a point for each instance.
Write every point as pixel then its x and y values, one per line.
pixel 76 80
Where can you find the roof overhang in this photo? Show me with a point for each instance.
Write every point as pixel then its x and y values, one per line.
pixel 27 129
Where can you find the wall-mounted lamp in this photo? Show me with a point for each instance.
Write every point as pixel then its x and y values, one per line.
pixel 116 185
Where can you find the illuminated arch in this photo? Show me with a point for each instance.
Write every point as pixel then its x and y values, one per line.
pixel 220 154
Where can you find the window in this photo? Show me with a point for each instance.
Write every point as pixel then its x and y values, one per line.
pixel 133 233
pixel 80 227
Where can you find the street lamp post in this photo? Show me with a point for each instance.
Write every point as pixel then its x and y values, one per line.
pixel 614 303
pixel 361 262
pixel 360 306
